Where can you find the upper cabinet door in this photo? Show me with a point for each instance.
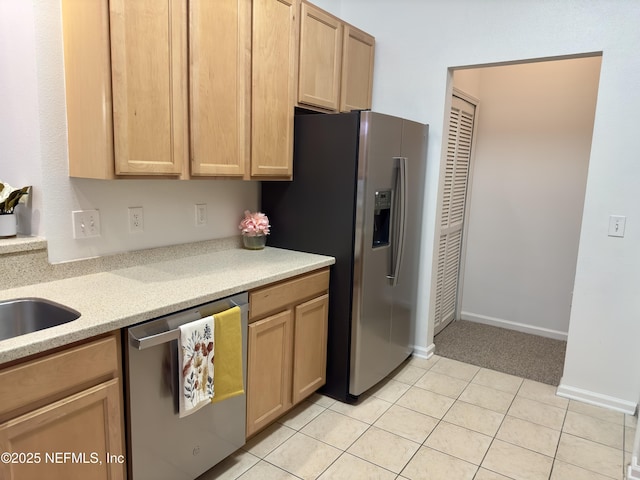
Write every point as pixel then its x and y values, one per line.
pixel 87 76
pixel 219 80
pixel 149 82
pixel 320 58
pixel 357 70
pixel 274 41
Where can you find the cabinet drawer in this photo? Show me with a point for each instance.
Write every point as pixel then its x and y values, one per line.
pixel 275 297
pixel 58 374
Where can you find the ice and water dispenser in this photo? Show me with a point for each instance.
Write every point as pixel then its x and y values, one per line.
pixel 382 218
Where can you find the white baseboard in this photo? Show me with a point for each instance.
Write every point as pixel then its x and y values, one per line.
pixel 520 327
pixel 422 352
pixel 597 399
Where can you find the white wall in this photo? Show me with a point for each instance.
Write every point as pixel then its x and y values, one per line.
pixel 533 140
pixel 418 41
pixel 19 125
pixel 169 210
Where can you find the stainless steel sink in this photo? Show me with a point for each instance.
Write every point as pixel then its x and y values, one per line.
pixel 26 315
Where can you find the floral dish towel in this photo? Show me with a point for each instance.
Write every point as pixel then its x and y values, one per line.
pixel 195 359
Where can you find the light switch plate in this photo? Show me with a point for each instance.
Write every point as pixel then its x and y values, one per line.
pixel 617 224
pixel 86 223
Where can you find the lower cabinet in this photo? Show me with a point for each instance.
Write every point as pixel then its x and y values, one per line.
pixel 309 347
pixel 287 346
pixel 61 415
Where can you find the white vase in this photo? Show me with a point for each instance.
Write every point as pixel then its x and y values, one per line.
pixel 8 226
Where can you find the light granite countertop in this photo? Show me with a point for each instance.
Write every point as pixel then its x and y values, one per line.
pixel 21 243
pixel 120 297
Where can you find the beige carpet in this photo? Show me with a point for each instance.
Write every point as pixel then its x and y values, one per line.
pixel 528 356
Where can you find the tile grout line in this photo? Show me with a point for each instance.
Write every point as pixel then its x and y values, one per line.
pixel 421 445
pixel 555 453
pixel 493 438
pixel 441 419
pixel 427 437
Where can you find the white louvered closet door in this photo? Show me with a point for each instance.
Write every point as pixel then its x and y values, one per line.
pixel 453 203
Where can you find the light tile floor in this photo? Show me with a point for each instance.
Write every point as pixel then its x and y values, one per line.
pixel 440 419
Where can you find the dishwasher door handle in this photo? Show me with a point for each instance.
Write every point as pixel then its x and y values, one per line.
pixel 155 339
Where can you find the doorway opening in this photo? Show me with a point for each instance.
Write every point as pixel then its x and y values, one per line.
pixel 525 190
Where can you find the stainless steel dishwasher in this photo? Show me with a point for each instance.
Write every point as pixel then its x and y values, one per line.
pixel 160 444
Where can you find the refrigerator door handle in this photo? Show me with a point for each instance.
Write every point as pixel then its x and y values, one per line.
pixel 399 225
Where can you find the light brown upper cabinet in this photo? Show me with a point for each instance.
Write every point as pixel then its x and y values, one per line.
pixel 180 88
pixel 219 85
pixel 273 79
pixel 320 58
pixel 336 63
pixel 149 83
pixel 357 69
pixel 87 74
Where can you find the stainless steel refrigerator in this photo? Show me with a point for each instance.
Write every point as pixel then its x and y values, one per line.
pixel 356 195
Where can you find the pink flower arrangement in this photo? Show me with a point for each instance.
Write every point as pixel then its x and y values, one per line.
pixel 254 224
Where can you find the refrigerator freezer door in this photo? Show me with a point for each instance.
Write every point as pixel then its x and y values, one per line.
pixel 380 144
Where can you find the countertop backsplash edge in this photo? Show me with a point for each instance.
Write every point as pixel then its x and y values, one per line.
pixel 22 267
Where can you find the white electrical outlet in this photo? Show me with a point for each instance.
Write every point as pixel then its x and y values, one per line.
pixel 86 223
pixel 201 214
pixel 136 220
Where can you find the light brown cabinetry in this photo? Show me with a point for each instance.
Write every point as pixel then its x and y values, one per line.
pixel 287 346
pixel 87 75
pixel 336 62
pixel 273 79
pixel 357 69
pixel 269 373
pixel 219 86
pixel 320 58
pixel 309 347
pixel 149 83
pixel 68 402
pixel 225 108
